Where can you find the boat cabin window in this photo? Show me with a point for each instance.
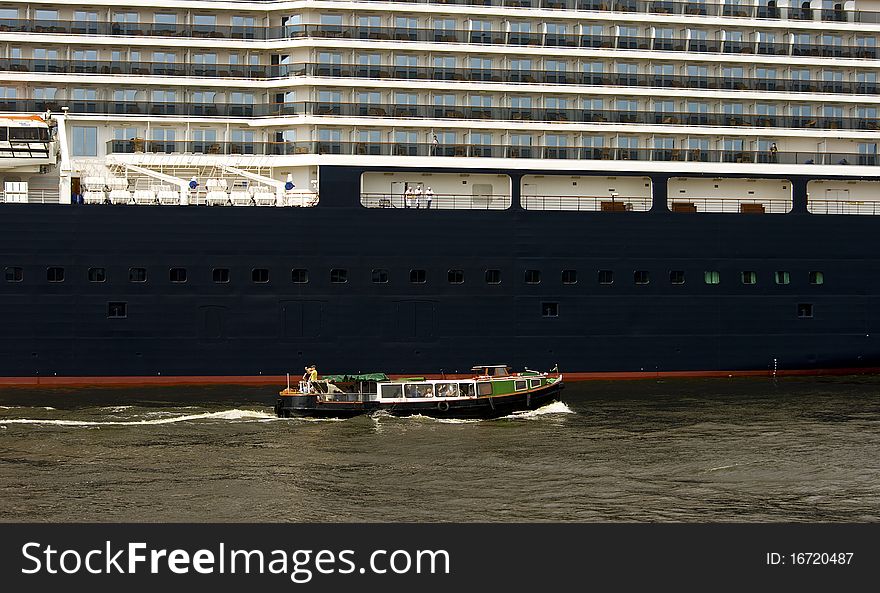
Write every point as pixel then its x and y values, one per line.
pixel 29 134
pixel 466 389
pixel 417 390
pixel 447 390
pixel 390 391
pixel 534 383
pixel 484 388
pixel 520 385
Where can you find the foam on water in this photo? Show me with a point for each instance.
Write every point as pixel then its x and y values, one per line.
pixel 224 415
pixel 551 408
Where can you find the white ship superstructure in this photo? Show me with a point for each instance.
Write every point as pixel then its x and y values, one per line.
pixel 239 103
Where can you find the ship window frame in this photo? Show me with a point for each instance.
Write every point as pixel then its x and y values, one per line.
pixel 753 276
pixel 481 388
pixel 493 276
pixel 299 275
pixel 532 276
pixel 455 276
pixel 138 275
pixel 117 309
pixel 641 277
pixel 569 276
pixel 782 277
pixel 55 274
pixel 338 276
pixel 711 277
pixel 177 275
pixel 605 277
pixel 17 273
pixel 380 276
pixel 677 277
pixel 805 311
pixel 534 383
pixel 391 386
pixel 97 274
pixel 549 309
pixel 258 273
pixel 415 274
pixel 223 274
pixel 817 278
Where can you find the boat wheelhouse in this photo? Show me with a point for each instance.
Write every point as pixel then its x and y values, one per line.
pixel 492 393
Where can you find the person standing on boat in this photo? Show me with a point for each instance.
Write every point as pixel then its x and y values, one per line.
pixel 429 195
pixel 310 376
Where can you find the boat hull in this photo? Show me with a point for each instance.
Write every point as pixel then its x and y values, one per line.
pixel 480 408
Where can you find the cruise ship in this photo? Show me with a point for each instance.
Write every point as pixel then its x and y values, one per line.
pixel 213 190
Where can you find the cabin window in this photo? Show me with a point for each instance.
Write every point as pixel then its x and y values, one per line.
pixel 389 391
pixel 412 390
pixel 338 276
pixel 418 276
pixel 137 274
pixel 97 275
pixel 493 276
pixel 456 276
pixel 299 276
pixel 805 310
pixel 447 390
pixel 676 276
pixel 817 278
pixel 606 277
pixel 14 274
pixel 569 276
pixel 177 275
pixel 783 278
pixel 117 310
pixel 220 275
pixel 260 275
pixel 533 276
pixel 549 309
pixel 534 383
pixel 749 278
pixel 55 274
pixel 520 385
pixel 712 277
pixel 641 277
pixel 466 389
pixel 484 388
pixel 380 276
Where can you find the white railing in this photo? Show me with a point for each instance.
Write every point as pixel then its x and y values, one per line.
pixel 587 203
pixel 33 196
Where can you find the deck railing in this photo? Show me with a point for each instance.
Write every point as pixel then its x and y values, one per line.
pixel 442 201
pixel 744 9
pixel 587 203
pixel 466 74
pixel 489 151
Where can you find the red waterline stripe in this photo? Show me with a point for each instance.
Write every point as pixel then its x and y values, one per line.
pixel 281 380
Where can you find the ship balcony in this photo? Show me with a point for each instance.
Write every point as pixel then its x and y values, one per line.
pixel 462 112
pixel 486 150
pixel 258 71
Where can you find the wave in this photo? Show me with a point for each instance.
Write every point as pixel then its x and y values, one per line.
pixel 27 407
pixel 551 408
pixel 224 415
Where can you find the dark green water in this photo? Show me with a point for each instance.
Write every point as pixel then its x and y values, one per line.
pixel 686 450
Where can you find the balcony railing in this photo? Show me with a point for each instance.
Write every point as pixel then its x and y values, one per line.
pixel 437 73
pixel 364 110
pixel 437 201
pixel 433 35
pixel 428 149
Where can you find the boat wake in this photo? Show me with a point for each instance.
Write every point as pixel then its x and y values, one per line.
pixel 244 415
pixel 551 408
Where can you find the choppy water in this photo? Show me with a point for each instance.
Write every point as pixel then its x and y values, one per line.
pixel 685 450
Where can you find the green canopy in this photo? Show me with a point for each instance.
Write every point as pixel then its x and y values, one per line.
pixel 363 377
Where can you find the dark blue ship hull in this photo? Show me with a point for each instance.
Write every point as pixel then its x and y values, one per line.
pixel 246 328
